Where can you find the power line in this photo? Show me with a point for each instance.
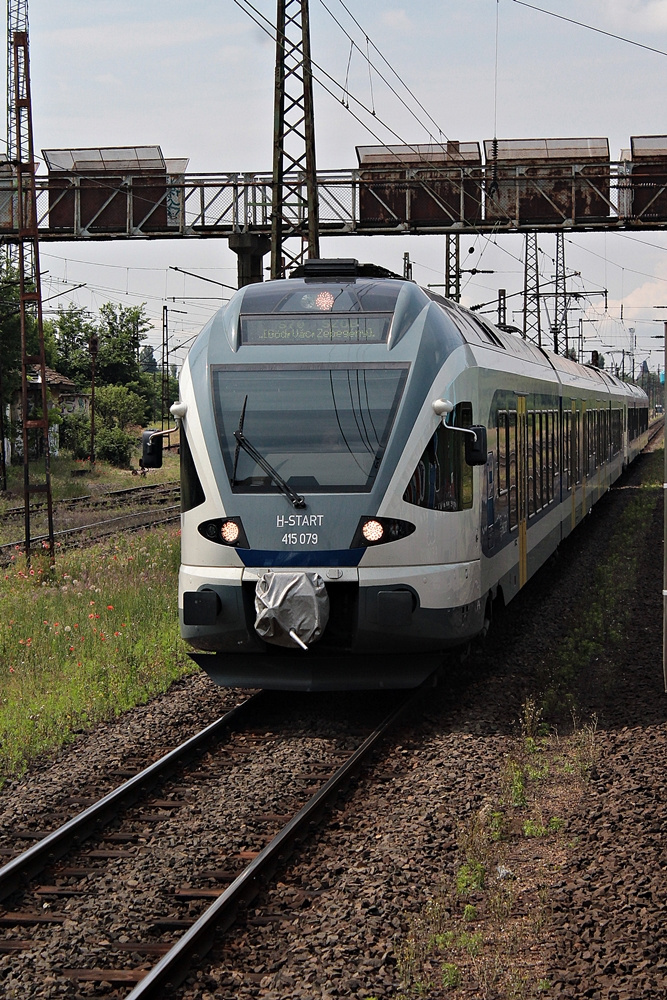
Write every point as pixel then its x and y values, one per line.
pixel 600 31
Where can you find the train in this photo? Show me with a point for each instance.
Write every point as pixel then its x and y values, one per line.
pixel 369 471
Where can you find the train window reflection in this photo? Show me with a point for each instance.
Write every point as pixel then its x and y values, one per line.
pixel 322 428
pixel 443 479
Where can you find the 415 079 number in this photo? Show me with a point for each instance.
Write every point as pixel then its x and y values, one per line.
pixel 305 538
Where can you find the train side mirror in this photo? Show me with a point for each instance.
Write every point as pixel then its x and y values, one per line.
pixel 151 450
pixel 475 446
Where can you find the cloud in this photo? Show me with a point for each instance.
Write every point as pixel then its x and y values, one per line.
pixel 632 16
pixel 113 39
pixel 397 20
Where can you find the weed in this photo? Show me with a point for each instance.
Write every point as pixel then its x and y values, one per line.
pixel 470 878
pixel 497 825
pixel 543 985
pixel 586 751
pixel 531 722
pixel 537 772
pixel 514 780
pixel 451 976
pixel 517 985
pixel 474 838
pixel 469 912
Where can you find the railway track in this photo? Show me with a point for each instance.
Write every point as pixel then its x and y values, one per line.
pixel 146 493
pixel 77 527
pixel 197 884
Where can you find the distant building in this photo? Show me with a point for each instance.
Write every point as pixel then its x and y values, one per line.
pixel 62 395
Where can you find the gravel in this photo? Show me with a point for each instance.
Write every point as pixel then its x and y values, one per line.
pixel 588 903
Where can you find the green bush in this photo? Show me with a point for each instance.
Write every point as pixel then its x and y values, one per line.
pixel 114 446
pixel 75 434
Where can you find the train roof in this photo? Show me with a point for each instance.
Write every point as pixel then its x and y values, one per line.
pixel 347 286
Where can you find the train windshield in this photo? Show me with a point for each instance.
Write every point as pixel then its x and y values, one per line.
pixel 321 428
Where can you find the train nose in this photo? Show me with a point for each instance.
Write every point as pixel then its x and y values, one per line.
pixel 292 608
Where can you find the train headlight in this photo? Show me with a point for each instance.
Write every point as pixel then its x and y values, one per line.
pixel 372 531
pixel 225 531
pixel 378 530
pixel 229 532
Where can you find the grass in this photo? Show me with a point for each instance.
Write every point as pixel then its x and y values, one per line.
pixel 71 478
pixel 87 642
pixel 601 621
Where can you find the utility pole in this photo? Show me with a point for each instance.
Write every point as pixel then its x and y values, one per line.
pixel 532 329
pixel 164 404
pixel 559 328
pixel 292 216
pixel 22 159
pixel 453 267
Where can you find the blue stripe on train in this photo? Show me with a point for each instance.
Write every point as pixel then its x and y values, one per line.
pixel 332 557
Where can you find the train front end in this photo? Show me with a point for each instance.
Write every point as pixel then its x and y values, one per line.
pixel 306 561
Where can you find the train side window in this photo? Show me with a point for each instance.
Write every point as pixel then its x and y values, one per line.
pixel 530 464
pixel 192 493
pixel 615 431
pixel 565 442
pixel 576 447
pixel 512 512
pixel 443 480
pixel 503 430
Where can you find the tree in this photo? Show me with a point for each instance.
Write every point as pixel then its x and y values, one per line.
pixel 73 330
pixel 118 406
pixel 10 335
pixel 121 332
pixel 147 360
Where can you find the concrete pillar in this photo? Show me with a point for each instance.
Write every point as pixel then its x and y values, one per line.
pixel 250 249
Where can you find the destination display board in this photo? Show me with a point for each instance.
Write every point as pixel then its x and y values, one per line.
pixel 330 329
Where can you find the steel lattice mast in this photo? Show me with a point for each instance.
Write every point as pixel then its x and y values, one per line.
pixel 22 160
pixel 293 216
pixel 532 329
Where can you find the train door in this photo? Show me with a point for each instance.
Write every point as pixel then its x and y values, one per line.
pixel 522 486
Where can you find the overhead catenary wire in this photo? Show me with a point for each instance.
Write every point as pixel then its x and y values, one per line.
pixel 591 27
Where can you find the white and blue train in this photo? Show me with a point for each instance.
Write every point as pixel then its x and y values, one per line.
pixel 368 469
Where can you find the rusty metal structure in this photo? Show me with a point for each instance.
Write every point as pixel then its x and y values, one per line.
pixel 294 199
pixel 30 298
pixel 109 194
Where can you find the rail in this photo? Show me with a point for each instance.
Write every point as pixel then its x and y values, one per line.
pixel 88 822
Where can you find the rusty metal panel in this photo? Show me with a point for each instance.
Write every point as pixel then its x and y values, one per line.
pixel 546 181
pixel 420 186
pixel 114 190
pixel 8 197
pixel 649 177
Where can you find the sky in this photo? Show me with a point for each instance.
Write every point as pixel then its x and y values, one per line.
pixel 197 80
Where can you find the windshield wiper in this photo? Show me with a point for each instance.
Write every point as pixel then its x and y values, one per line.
pixel 242 441
pixel 238 446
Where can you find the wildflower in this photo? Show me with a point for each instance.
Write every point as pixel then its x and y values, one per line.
pixel 11 670
pixel 67 628
pixel 91 603
pixel 71 649
pixel 109 607
pixel 32 572
pixel 91 615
